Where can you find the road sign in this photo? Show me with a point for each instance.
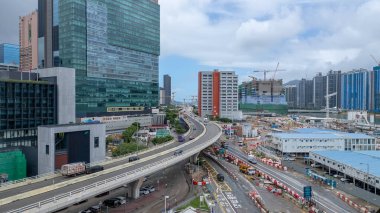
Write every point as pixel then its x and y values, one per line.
pixel 307 192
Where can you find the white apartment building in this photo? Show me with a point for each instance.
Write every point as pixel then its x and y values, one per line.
pixel 218 94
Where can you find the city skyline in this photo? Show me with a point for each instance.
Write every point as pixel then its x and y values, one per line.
pixel 314 37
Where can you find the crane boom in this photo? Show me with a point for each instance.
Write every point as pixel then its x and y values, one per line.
pixel 373 57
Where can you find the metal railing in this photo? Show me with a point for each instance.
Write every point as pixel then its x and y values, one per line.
pixel 68 198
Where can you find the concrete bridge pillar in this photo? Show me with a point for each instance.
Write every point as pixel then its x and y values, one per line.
pixel 194 158
pixel 134 188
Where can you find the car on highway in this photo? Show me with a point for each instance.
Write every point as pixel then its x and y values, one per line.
pixel 94 169
pixel 113 203
pixel 178 152
pixel 133 158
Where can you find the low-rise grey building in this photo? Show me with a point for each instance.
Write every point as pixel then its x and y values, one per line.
pixel 70 143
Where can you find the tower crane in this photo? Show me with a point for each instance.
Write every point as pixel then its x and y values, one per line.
pixel 373 57
pixel 266 71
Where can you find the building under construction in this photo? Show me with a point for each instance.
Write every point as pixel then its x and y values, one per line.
pixel 262 96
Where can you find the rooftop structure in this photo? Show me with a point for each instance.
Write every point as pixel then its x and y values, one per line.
pixel 302 141
pixel 358 167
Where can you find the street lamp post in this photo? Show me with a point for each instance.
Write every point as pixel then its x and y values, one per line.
pixel 166 197
pixel 367 174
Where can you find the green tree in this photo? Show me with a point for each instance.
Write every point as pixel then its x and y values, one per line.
pixel 128 133
pixel 126 148
pixel 162 140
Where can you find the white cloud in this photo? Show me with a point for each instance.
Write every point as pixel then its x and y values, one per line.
pixel 305 36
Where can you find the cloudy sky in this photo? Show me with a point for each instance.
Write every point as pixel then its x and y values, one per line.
pixel 305 36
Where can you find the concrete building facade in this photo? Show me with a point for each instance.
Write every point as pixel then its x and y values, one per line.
pixel 9 67
pixel 162 96
pixel 83 143
pixel 28 41
pixel 218 94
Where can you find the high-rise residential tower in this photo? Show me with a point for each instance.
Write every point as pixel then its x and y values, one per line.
pixel 357 90
pixel 168 89
pixel 376 89
pixel 114 47
pixel 291 95
pixel 28 37
pixel 305 94
pixel 218 94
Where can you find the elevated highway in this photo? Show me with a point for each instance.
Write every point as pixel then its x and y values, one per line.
pixel 60 192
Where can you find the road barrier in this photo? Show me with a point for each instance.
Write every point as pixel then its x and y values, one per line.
pixel 359 208
pixel 255 197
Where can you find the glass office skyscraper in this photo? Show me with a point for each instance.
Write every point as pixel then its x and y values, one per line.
pixel 10 54
pixel 114 46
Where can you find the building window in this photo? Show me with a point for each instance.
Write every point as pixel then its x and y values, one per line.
pixel 96 142
pixel 47 149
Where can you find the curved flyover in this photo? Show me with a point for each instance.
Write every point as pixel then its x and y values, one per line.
pixel 70 191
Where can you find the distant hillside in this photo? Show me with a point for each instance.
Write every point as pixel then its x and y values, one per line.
pixel 293 82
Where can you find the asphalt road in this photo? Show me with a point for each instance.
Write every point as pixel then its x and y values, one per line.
pixel 211 131
pixel 238 197
pixel 272 202
pixel 326 199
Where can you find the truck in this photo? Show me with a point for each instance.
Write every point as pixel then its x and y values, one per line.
pixel 73 169
pixel 181 138
pixel 252 159
pixel 249 170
